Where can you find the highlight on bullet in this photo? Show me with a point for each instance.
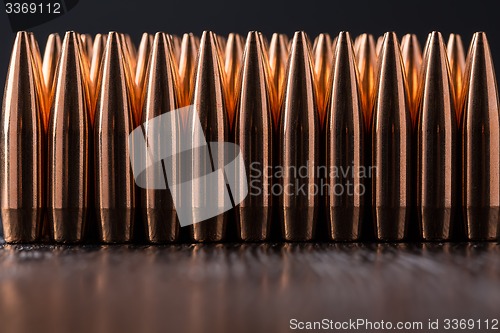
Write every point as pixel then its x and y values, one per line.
pixel 480 144
pixel 22 141
pixel 391 146
pixel 50 59
pixel 68 147
pixel 437 146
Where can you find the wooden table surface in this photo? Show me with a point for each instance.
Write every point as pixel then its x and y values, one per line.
pixel 242 287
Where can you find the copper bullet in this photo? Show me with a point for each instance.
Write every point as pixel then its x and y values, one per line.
pixel 209 101
pixel 176 44
pixel 366 56
pixel 344 135
pixel 37 66
pixel 253 131
pixel 142 66
pixel 234 52
pixel 278 57
pixel 161 96
pixel 412 60
pixel 129 53
pixel 391 145
pixel 322 59
pixel 222 42
pixel 187 63
pixel 21 148
pixel 299 131
pixel 130 65
pixel 68 147
pixel 87 45
pixel 380 41
pixel 456 57
pixel 131 47
pixel 114 181
pixel 50 59
pixel 437 145
pixel 95 63
pixel 480 135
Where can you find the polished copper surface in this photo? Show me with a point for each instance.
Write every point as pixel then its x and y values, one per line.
pixel 50 59
pixel 322 60
pixel 391 146
pixel 233 54
pixel 87 44
pixel 209 101
pixel 299 133
pixel 253 133
pixel 161 96
pixel 114 182
pixel 95 65
pixel 68 147
pixel 366 56
pixel 176 44
pixel 412 60
pixel 380 41
pixel 278 57
pixel 344 147
pixel 456 57
pixel 37 66
pixel 437 146
pixel 187 65
pixel 22 148
pixel 142 66
pixel 480 135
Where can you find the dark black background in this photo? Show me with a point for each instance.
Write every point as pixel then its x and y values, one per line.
pixel 223 16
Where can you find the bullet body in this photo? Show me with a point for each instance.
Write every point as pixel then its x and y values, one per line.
pixel 253 132
pixel 114 182
pixel 299 146
pixel 391 146
pixel 68 147
pixel 344 135
pixel 21 148
pixel 209 102
pixel 480 135
pixel 161 96
pixel 437 146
